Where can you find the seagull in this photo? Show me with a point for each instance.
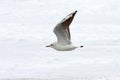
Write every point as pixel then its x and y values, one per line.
pixel 62 32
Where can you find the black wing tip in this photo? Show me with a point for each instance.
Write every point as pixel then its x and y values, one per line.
pixel 76 11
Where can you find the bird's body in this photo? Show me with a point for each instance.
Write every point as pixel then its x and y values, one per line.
pixel 62 47
pixel 62 33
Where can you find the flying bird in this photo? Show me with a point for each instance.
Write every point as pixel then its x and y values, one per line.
pixel 62 32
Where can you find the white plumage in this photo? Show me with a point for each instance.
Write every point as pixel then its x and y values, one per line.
pixel 62 33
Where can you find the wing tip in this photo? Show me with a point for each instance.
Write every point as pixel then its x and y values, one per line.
pixel 75 12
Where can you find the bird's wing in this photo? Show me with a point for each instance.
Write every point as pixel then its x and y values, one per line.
pixel 62 30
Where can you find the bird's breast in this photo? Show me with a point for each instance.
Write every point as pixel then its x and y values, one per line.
pixel 64 47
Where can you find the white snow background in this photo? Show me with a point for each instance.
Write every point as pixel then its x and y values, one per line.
pixel 26 27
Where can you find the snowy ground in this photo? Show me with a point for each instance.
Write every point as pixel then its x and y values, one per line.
pixel 26 28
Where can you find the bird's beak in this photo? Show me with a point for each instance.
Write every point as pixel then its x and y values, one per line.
pixel 49 45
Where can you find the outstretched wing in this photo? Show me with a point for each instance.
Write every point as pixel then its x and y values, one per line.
pixel 62 30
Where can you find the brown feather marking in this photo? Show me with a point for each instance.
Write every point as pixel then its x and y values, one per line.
pixel 67 23
pixel 68 30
